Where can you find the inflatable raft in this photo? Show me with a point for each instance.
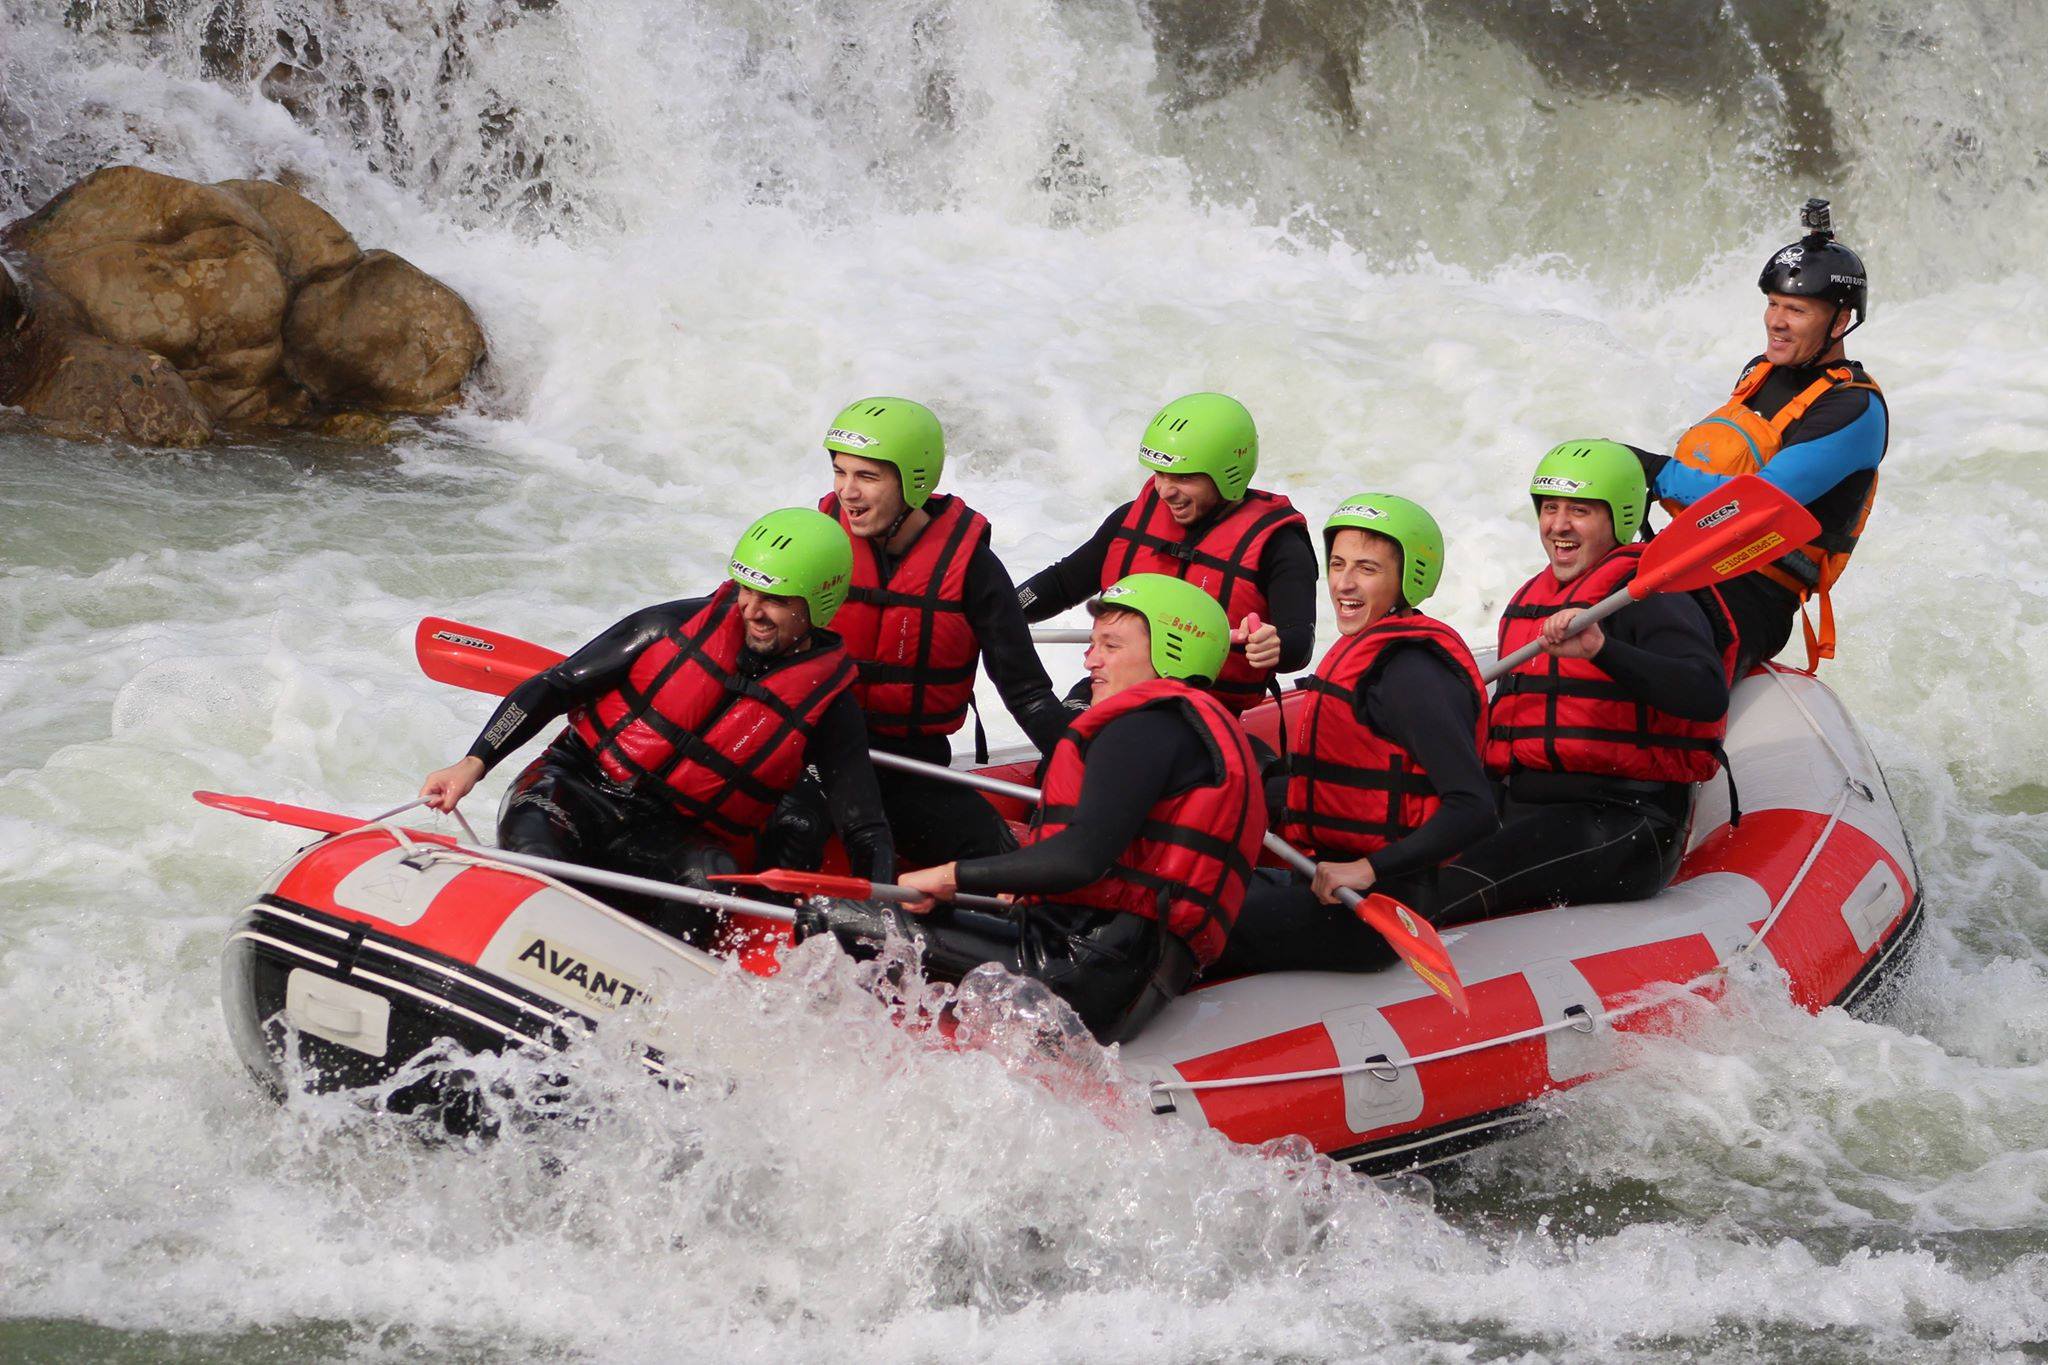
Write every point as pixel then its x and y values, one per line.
pixel 376 947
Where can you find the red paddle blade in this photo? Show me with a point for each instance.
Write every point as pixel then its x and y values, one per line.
pixel 479 659
pixel 301 817
pixel 802 883
pixel 1419 945
pixel 1743 525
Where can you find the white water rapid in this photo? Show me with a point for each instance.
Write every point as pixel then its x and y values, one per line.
pixel 1421 239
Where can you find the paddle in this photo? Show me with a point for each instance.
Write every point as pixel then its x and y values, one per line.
pixel 330 822
pixel 472 657
pixel 793 883
pixel 481 660
pixel 1413 938
pixel 1743 525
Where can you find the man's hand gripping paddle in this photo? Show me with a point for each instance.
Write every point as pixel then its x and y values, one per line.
pixel 1743 525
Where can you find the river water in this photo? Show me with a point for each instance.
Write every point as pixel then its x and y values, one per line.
pixel 1422 240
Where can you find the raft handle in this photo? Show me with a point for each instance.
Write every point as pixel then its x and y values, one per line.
pixel 1580 1018
pixel 1162 1102
pixel 1381 1068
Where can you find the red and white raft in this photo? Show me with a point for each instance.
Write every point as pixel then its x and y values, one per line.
pixel 373 947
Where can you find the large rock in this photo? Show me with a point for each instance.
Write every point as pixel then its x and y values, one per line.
pixel 140 298
pixel 384 335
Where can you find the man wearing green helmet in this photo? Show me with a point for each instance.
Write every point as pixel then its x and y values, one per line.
pixel 688 722
pixel 1147 831
pixel 1198 518
pixel 1599 738
pixel 1802 416
pixel 930 603
pixel 1385 783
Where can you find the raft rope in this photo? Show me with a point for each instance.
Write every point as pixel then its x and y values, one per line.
pixel 1379 1066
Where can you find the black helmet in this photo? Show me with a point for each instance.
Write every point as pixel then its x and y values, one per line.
pixel 1818 266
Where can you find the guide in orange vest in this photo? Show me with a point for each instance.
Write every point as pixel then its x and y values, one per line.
pixel 688 722
pixel 930 605
pixel 1150 823
pixel 1804 417
pixel 1598 739
pixel 1384 780
pixel 1198 518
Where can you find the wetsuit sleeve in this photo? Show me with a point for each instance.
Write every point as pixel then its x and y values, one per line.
pixel 839 751
pixel 597 668
pixel 1662 650
pixel 1415 700
pixel 1074 579
pixel 1287 576
pixel 1843 433
pixel 1134 761
pixel 1008 654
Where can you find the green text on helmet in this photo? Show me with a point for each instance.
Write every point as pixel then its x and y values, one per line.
pixel 898 432
pixel 1405 523
pixel 1204 433
pixel 1595 471
pixel 796 552
pixel 1190 633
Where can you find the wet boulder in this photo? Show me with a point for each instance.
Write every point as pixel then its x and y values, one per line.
pixel 236 305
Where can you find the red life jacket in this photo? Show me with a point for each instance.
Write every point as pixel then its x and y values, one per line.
pixel 723 749
pixel 1735 439
pixel 1223 562
pixel 1567 715
pixel 1193 855
pixel 910 636
pixel 1351 791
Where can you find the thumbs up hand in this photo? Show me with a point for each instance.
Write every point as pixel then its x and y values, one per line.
pixel 1261 641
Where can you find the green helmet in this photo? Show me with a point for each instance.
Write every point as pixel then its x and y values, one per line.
pixel 1405 523
pixel 1204 433
pixel 1190 633
pixel 896 431
pixel 796 552
pixel 1596 471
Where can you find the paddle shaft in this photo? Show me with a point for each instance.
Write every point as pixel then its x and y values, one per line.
pixel 331 824
pixel 1599 611
pixel 1279 847
pixel 620 881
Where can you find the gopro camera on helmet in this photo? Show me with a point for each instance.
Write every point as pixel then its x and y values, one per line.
pixel 1816 219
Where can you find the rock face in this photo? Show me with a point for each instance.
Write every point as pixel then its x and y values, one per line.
pixel 147 308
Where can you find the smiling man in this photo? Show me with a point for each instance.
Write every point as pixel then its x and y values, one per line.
pixel 1385 782
pixel 930 604
pixel 688 722
pixel 1148 827
pixel 1199 519
pixel 1599 738
pixel 1804 417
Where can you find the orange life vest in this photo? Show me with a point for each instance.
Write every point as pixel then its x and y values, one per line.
pixel 910 637
pixel 721 748
pixel 1735 439
pixel 1567 715
pixel 1351 790
pixel 1223 562
pixel 1195 852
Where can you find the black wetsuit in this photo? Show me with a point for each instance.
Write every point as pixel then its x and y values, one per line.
pixel 1415 700
pixel 1828 460
pixel 1286 577
pixel 935 821
pixel 1117 970
pixel 564 806
pixel 1567 838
